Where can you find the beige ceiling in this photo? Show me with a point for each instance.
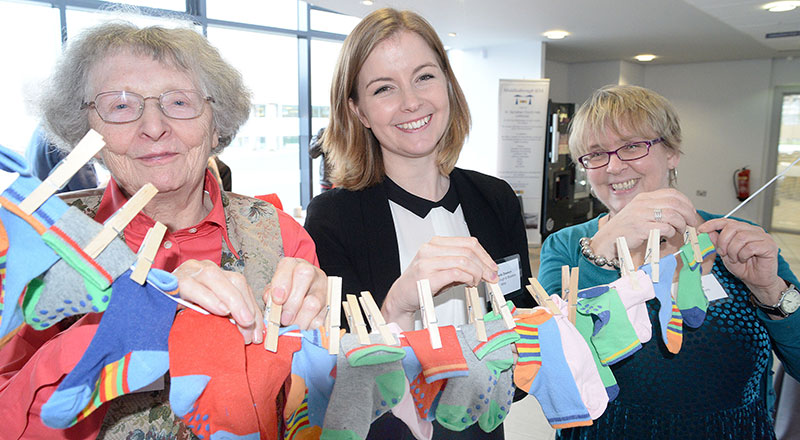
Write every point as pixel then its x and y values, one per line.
pixel 677 31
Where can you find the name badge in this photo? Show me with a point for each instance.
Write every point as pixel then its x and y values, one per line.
pixel 712 288
pixel 509 272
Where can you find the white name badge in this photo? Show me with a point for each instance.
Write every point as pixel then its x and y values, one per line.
pixel 712 288
pixel 509 273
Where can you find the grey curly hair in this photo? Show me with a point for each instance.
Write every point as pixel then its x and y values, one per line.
pixel 60 103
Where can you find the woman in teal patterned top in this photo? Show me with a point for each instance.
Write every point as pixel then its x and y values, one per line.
pixel 718 386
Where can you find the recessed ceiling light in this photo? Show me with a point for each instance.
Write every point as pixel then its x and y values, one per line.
pixel 366 2
pixel 645 57
pixel 451 34
pixel 555 35
pixel 782 6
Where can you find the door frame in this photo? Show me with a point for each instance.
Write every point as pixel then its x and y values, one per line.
pixel 772 152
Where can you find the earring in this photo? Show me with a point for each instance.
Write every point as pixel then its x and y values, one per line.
pixel 673 177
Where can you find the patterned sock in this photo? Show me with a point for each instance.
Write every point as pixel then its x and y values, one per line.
pixel 77 283
pixel 484 396
pixel 414 415
pixel 267 374
pixel 669 317
pixel 208 391
pixel 691 299
pixel 405 411
pixel 442 363
pixel 585 326
pixel 28 256
pixel 613 335
pixel 529 353
pixel 579 358
pixel 369 382
pixel 297 425
pixel 313 364
pixel 497 335
pixel 128 352
pixel 634 300
pixel 3 253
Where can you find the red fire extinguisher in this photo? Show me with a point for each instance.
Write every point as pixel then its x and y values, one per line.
pixel 741 181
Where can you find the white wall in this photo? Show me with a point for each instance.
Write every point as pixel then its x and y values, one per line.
pixel 478 72
pixel 557 73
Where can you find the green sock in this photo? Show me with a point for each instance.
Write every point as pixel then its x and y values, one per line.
pixel 692 301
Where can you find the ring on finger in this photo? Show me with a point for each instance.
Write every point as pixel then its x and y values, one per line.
pixel 657 214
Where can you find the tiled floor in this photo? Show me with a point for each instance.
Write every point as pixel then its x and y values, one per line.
pixel 526 420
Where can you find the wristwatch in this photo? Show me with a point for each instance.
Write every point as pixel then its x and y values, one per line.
pixel 788 304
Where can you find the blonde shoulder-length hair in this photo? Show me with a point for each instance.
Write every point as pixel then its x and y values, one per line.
pixel 352 148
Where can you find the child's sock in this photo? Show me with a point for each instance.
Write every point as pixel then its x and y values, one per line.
pixel 128 352
pixel 297 425
pixel 585 326
pixel 267 373
pixel 634 300
pixel 28 256
pixel 77 283
pixel 441 363
pixel 669 316
pixel 691 299
pixel 497 335
pixel 3 253
pixel 369 382
pixel 314 364
pixel 210 391
pixel 405 411
pixel 613 336
pixel 484 396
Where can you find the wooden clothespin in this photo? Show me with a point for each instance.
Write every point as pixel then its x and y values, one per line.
pixel 376 320
pixel 572 300
pixel 117 222
pixel 564 282
pixel 147 252
pixel 691 237
pixel 428 313
pixel 91 143
pixel 540 295
pixel 357 325
pixel 272 319
pixel 653 253
pixel 499 304
pixel 627 268
pixel 474 312
pixel 333 318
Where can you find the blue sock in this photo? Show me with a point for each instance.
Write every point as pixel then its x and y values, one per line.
pixel 128 352
pixel 28 256
pixel 314 364
pixel 663 289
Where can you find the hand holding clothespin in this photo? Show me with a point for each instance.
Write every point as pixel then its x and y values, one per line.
pixel 626 266
pixel 569 291
pixel 91 143
pixel 653 253
pixel 147 252
pixel 499 305
pixel 428 313
pixel 691 237
pixel 376 320
pixel 474 313
pixel 333 317
pixel 272 321
pixel 356 319
pixel 540 295
pixel 117 222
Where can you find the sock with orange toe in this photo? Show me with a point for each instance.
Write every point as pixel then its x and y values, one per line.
pixel 669 316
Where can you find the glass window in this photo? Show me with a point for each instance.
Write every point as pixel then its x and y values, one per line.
pixel 172 5
pixel 323 60
pixel 264 156
pixel 273 13
pixel 19 82
pixel 78 20
pixel 787 190
pixel 332 22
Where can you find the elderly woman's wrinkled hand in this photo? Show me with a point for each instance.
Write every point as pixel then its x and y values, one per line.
pixel 638 217
pixel 302 289
pixel 222 293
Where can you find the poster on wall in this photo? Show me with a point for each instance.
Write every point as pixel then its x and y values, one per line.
pixel 522 127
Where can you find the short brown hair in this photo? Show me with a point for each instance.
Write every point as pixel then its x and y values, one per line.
pixel 624 108
pixel 352 149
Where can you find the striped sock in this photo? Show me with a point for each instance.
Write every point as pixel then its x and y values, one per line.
pixel 668 311
pixel 128 352
pixel 529 353
pixel 675 330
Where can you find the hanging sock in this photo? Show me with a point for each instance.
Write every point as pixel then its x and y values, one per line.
pixel 669 316
pixel 585 326
pixel 691 299
pixel 613 335
pixel 128 352
pixel 634 297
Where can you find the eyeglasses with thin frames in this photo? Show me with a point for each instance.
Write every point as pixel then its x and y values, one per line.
pixel 625 153
pixel 119 106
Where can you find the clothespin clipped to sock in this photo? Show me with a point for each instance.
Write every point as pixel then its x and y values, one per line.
pixel 540 295
pixel 569 290
pixel 357 323
pixel 691 237
pixel 653 253
pixel 376 320
pixel 474 313
pixel 272 319
pixel 91 143
pixel 334 316
pixel 626 266
pixel 428 313
pixel 147 252
pixel 499 304
pixel 117 222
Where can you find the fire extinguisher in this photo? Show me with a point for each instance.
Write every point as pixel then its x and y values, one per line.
pixel 741 182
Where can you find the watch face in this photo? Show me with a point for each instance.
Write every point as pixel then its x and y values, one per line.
pixel 791 302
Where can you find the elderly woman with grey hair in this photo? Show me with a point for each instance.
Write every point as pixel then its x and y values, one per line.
pixel 164 100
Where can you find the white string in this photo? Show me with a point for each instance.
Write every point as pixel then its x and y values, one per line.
pixel 762 188
pixel 181 301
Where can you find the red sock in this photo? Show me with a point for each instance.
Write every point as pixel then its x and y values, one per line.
pixel 442 363
pixel 209 388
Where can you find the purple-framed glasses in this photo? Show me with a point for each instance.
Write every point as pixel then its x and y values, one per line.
pixel 625 153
